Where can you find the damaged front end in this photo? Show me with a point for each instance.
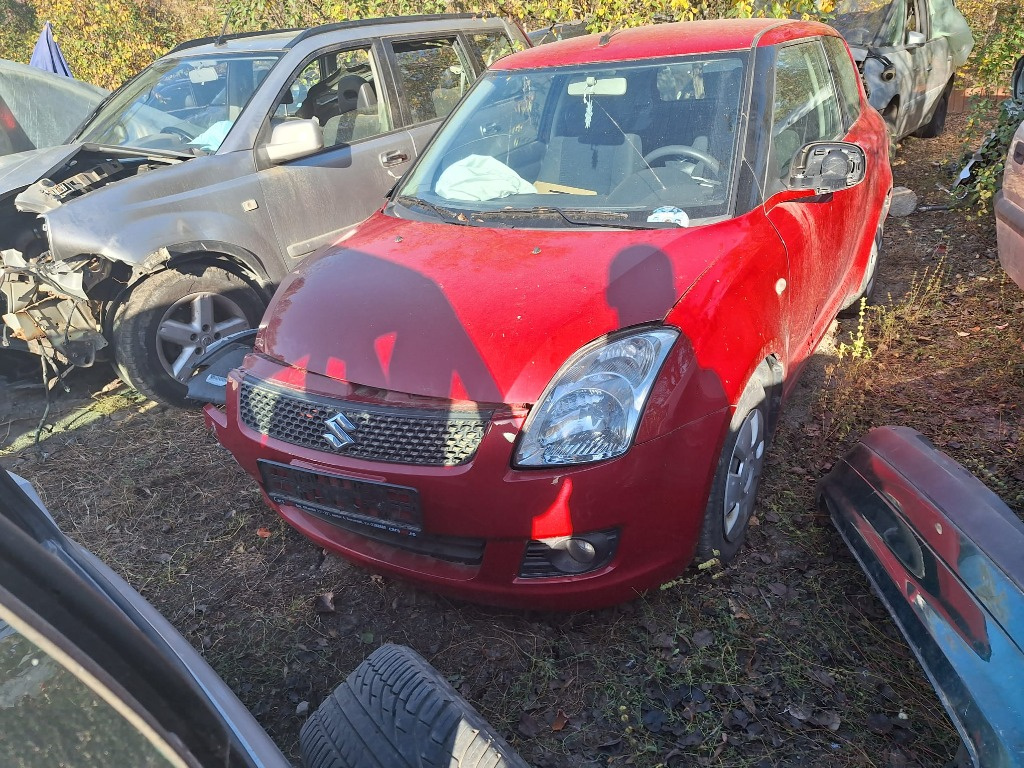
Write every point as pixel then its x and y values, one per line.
pixel 54 288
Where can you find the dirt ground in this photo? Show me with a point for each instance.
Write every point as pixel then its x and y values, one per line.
pixel 785 658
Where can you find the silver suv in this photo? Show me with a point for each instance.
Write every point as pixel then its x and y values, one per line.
pixel 201 182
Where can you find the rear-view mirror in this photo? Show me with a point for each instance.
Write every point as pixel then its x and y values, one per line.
pixel 593 86
pixel 293 139
pixel 827 166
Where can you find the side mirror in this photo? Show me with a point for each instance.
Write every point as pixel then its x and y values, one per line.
pixel 827 166
pixel 292 139
pixel 916 39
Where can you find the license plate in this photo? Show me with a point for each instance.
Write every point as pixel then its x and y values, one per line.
pixel 387 507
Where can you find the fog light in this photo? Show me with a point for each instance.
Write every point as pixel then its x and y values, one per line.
pixel 569 555
pixel 581 550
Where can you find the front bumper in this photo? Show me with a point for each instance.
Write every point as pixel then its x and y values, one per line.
pixel 479 517
pixel 45 308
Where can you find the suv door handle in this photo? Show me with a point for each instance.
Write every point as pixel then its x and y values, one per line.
pixel 1018 152
pixel 393 157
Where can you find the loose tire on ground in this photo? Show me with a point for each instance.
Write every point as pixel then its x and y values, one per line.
pixel 395 711
pixel 740 466
pixel 150 327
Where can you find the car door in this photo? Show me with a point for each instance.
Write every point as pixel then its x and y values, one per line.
pixel 315 199
pixel 915 106
pixel 938 59
pixel 821 233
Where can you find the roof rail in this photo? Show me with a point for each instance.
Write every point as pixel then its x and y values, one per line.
pixel 302 34
pixel 338 25
pixel 233 36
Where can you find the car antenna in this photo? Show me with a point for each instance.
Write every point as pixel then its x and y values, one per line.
pixel 606 38
pixel 223 30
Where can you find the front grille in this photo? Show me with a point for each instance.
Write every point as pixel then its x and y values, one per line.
pixel 379 433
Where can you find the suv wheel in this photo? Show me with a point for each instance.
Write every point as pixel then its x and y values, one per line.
pixel 168 321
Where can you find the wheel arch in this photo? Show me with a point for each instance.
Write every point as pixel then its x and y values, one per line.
pixel 232 258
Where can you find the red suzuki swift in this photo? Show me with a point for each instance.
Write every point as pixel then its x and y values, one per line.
pixel 545 374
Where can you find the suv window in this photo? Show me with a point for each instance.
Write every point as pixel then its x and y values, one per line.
pixel 433 74
pixel 806 107
pixel 339 89
pixel 846 77
pixel 491 46
pixel 50 716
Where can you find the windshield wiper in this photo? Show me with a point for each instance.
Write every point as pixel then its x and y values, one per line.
pixel 609 219
pixel 445 214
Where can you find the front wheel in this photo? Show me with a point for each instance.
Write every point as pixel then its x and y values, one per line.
pixel 168 321
pixel 731 503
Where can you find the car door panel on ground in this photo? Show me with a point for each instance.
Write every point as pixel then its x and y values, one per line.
pixel 819 232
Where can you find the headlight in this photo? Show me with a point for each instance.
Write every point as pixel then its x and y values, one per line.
pixel 591 409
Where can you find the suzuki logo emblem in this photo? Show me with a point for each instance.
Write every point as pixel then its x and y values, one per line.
pixel 337 434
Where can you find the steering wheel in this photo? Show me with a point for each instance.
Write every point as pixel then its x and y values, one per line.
pixel 681 150
pixel 176 131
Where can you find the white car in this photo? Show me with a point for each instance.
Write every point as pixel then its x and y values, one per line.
pixel 908 52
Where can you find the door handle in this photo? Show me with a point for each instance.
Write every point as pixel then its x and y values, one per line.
pixel 393 157
pixel 1018 153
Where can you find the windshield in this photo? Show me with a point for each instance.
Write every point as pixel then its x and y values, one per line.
pixel 638 144
pixel 184 105
pixel 867 23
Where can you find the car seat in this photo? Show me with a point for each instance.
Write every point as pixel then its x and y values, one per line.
pixel 596 158
pixel 339 127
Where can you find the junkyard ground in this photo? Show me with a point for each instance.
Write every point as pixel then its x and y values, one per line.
pixel 785 658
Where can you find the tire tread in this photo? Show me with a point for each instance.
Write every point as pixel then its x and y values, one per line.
pixel 396 710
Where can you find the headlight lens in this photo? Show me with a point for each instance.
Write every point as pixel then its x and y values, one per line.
pixel 591 409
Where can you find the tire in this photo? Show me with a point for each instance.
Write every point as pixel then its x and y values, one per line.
pixel 740 466
pixel 395 710
pixel 170 318
pixel 851 307
pixel 934 127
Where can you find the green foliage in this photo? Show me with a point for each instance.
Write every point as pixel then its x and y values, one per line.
pixel 18 25
pixel 600 15
pixel 998 27
pixel 987 171
pixel 104 41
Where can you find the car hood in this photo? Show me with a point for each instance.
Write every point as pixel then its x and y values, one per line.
pixel 464 312
pixel 19 170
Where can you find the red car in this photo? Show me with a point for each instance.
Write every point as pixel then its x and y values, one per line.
pixel 545 374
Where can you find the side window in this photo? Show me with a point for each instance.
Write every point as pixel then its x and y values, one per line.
pixel 914 21
pixel 806 108
pixel 491 46
pixel 846 77
pixel 291 100
pixel 340 89
pixel 433 76
pixel 49 715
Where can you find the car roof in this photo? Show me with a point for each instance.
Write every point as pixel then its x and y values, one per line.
pixel 282 39
pixel 662 40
